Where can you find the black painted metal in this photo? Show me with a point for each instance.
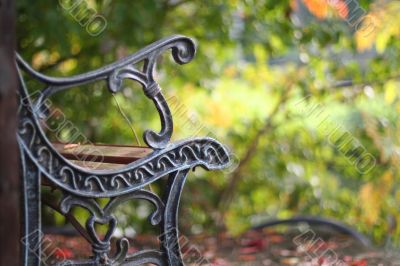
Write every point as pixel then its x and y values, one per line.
pixel 319 221
pixel 81 187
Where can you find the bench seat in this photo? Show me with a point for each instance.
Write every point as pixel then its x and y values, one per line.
pixel 101 156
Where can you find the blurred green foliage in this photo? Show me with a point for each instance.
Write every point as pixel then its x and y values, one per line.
pixel 262 69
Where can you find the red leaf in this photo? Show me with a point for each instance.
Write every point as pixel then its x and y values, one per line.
pixel 63 253
pixel 253 246
pixel 362 262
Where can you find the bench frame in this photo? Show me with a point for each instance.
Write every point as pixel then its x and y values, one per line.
pixel 42 164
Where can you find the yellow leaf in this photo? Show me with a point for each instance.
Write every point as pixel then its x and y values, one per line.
pixel 371 197
pixel 260 54
pixel 40 58
pixel 230 71
pixel 375 29
pixel 382 40
pixel 370 201
pixel 391 91
pixel 387 182
pixel 367 33
pixel 68 65
pixel 220 115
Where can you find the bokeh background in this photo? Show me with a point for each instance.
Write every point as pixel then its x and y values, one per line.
pixel 305 93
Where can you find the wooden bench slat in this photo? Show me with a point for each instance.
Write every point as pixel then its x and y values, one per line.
pixel 96 165
pixel 111 154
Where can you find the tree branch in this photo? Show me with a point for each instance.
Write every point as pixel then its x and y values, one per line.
pixel 69 217
pixel 350 83
pixel 230 190
pixel 177 3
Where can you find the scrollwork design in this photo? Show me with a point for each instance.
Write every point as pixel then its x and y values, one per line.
pixel 183 51
pixel 105 216
pixel 82 186
pixel 147 256
pixel 204 152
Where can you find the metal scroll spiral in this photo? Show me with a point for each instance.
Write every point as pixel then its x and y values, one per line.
pixel 183 51
pixel 204 152
pixel 81 186
pixel 101 247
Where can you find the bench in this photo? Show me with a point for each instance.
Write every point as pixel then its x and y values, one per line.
pixel 86 173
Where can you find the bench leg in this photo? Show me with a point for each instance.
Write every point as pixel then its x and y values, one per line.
pixel 170 232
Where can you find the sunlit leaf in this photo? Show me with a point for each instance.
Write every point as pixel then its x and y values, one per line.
pixel 340 7
pixel 370 201
pixel 391 89
pixel 322 8
pixel 375 29
pixel 372 197
pixel 318 8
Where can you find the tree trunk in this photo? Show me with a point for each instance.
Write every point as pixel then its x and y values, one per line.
pixel 9 178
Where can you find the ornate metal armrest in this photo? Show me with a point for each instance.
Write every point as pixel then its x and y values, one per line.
pixel 81 186
pixel 183 51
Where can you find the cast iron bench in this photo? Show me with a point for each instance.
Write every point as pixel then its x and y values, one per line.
pixel 70 167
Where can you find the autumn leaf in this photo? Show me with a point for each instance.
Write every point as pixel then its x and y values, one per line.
pixel 370 201
pixel 371 197
pixel 253 246
pixel 220 115
pixel 318 8
pixel 362 262
pixel 340 7
pixel 391 88
pixel 365 39
pixel 374 31
pixel 321 8
pixel 63 253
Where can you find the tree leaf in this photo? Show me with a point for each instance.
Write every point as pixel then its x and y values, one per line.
pixel 391 88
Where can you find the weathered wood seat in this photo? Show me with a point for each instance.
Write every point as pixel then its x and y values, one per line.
pixel 101 156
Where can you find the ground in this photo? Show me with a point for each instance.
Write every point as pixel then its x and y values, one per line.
pixel 307 247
